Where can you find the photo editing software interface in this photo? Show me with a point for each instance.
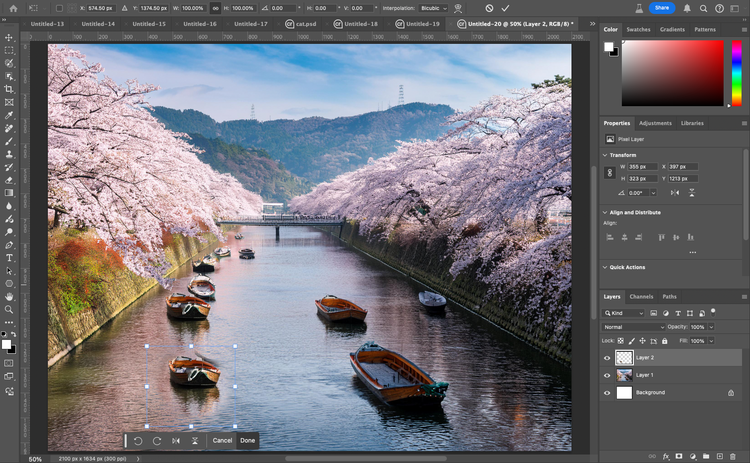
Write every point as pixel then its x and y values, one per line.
pixel 342 230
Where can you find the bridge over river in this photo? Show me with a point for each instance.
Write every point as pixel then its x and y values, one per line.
pixel 286 220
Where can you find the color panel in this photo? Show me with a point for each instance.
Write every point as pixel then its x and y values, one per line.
pixel 673 73
pixel 736 72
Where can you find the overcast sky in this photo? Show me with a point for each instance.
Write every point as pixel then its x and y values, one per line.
pixel 287 81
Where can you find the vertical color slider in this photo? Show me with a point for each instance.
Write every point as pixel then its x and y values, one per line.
pixel 736 72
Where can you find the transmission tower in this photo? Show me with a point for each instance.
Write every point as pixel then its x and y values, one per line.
pixel 400 95
pixel 252 112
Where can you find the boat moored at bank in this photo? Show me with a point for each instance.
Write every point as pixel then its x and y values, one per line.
pixel 183 307
pixel 432 301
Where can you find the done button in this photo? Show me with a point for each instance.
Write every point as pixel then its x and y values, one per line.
pixel 661 8
pixel 248 441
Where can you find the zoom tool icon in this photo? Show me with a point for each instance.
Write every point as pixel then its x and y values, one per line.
pixel 338 24
pixel 400 24
pixel 461 23
pixel 289 23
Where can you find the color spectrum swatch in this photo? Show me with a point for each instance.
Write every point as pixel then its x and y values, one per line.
pixel 736 72
pixel 673 73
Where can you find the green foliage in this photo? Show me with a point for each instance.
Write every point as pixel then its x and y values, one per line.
pixel 558 80
pixel 77 268
pixel 316 148
pixel 187 121
pixel 253 168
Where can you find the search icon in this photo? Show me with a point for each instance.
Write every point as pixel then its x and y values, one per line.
pixel 606 312
pixel 8 309
pixel 704 8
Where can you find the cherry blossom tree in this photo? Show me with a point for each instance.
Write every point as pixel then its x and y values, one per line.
pixel 113 167
pixel 488 186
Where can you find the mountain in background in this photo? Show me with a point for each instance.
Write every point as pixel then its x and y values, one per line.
pixel 254 169
pixel 316 148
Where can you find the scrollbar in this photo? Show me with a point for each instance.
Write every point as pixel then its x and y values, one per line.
pixel 745 212
pixel 125 442
pixel 593 239
pixel 365 458
pixel 745 194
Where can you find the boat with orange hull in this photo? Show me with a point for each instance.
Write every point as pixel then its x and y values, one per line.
pixel 186 371
pixel 185 307
pixel 340 310
pixel 394 378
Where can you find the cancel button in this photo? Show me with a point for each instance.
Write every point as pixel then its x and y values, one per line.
pixel 221 440
pixel 248 441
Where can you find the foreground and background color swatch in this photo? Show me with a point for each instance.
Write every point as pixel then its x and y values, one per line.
pixel 673 73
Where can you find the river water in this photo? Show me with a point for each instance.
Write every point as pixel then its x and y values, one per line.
pixel 295 385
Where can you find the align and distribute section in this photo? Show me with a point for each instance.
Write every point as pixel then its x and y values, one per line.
pixel 672 73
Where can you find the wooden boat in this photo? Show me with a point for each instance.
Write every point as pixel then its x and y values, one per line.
pixel 202 286
pixel 247 253
pixel 238 236
pixel 223 252
pixel 432 301
pixel 340 310
pixel 193 372
pixel 207 264
pixel 187 307
pixel 395 379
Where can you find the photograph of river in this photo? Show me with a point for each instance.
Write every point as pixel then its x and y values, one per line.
pixel 297 173
pixel 295 384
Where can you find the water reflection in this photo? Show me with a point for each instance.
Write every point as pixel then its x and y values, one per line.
pixel 343 330
pixel 187 331
pixel 196 401
pixel 424 428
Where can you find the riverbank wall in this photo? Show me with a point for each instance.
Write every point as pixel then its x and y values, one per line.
pixel 424 262
pixel 66 330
